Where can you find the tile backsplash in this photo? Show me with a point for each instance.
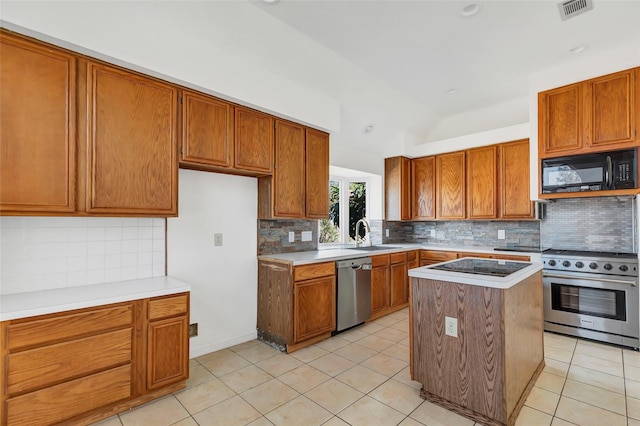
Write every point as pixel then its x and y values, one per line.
pixel 41 253
pixel 596 224
pixel 465 233
pixel 273 236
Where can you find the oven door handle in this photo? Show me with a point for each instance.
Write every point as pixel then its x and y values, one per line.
pixel 605 280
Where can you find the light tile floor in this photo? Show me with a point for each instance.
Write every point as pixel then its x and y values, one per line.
pixel 361 377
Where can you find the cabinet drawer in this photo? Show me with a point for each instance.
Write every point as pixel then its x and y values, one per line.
pixel 315 270
pixel 36 368
pixel 57 403
pixel 437 256
pixel 380 261
pixel 481 255
pixel 68 326
pixel 168 306
pixel 398 258
pixel 412 256
pixel 510 257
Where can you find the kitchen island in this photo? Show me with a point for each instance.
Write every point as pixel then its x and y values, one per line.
pixel 477 335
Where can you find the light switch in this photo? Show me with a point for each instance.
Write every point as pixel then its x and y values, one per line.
pixel 386 232
pixel 501 235
pixel 292 236
pixel 306 235
pixel 217 239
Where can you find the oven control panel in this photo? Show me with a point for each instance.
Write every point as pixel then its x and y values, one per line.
pixel 624 267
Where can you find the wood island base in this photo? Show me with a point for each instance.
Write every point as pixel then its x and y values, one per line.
pixel 478 417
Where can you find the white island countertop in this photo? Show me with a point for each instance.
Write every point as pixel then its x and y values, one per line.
pixel 22 305
pixel 427 272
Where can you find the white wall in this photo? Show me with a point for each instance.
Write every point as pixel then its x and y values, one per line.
pixel 223 278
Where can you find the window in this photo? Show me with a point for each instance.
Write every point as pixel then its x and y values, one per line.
pixel 347 205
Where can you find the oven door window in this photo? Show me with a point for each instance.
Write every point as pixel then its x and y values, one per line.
pixel 597 302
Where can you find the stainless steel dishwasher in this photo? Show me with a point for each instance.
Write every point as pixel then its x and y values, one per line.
pixel 354 292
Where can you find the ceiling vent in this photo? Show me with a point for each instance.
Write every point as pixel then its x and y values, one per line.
pixel 571 8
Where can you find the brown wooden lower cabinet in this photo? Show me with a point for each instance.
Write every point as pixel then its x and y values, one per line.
pixel 80 366
pixel 389 291
pixel 296 304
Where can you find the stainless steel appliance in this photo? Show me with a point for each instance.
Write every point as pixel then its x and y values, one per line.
pixel 592 295
pixel 354 292
pixel 590 172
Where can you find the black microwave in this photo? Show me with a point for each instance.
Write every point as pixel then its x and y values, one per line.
pixel 590 172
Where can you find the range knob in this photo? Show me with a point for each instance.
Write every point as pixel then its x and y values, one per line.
pixel 593 265
pixel 623 268
pixel 608 266
pixel 552 262
pixel 566 263
pixel 579 264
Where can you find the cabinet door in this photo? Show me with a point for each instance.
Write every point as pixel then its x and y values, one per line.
pixel 379 289
pixel 132 161
pixel 38 122
pixel 317 174
pixel 560 121
pixel 207 130
pixel 423 178
pixel 399 291
pixel 397 188
pixel 482 199
pixel 612 107
pixel 314 304
pixel 167 351
pixel 289 175
pixel 450 181
pixel 253 141
pixel 515 202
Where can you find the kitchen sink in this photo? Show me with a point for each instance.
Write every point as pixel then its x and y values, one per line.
pixel 373 248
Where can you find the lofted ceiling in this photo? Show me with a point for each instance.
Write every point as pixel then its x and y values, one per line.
pixel 427 49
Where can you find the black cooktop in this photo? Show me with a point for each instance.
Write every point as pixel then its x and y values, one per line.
pixel 495 268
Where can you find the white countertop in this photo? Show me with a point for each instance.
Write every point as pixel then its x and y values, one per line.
pixel 22 305
pixel 427 272
pixel 326 255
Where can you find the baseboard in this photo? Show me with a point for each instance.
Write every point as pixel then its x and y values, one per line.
pixel 196 351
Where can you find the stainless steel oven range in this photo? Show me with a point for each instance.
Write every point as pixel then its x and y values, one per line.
pixel 592 295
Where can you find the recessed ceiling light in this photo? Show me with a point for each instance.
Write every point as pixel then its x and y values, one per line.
pixel 271 1
pixel 368 129
pixel 452 91
pixel 578 49
pixel 470 9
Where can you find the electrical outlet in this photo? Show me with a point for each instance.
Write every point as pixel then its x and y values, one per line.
pixel 451 326
pixel 307 235
pixel 501 234
pixel 292 236
pixel 432 233
pixel 217 239
pixel 193 329
pixel 386 232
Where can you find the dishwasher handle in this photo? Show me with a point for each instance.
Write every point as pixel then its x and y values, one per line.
pixel 364 267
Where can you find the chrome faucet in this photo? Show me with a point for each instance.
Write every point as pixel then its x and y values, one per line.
pixel 361 241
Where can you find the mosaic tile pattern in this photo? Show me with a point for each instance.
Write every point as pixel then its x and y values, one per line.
pixel 600 223
pixel 273 236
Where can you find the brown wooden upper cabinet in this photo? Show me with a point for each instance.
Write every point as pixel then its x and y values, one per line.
pixel 397 188
pixel 38 137
pixel 207 130
pixel 317 174
pixel 423 194
pixel 513 179
pixel 599 114
pixel 299 186
pixel 482 188
pixel 132 165
pixel 253 141
pixel 450 186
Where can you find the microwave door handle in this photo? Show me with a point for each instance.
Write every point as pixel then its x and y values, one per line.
pixel 608 173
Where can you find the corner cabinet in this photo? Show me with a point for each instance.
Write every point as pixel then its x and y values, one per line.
pixel 299 186
pixel 600 114
pixel 296 304
pixel 131 133
pixel 38 137
pixel 77 367
pixel 397 188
